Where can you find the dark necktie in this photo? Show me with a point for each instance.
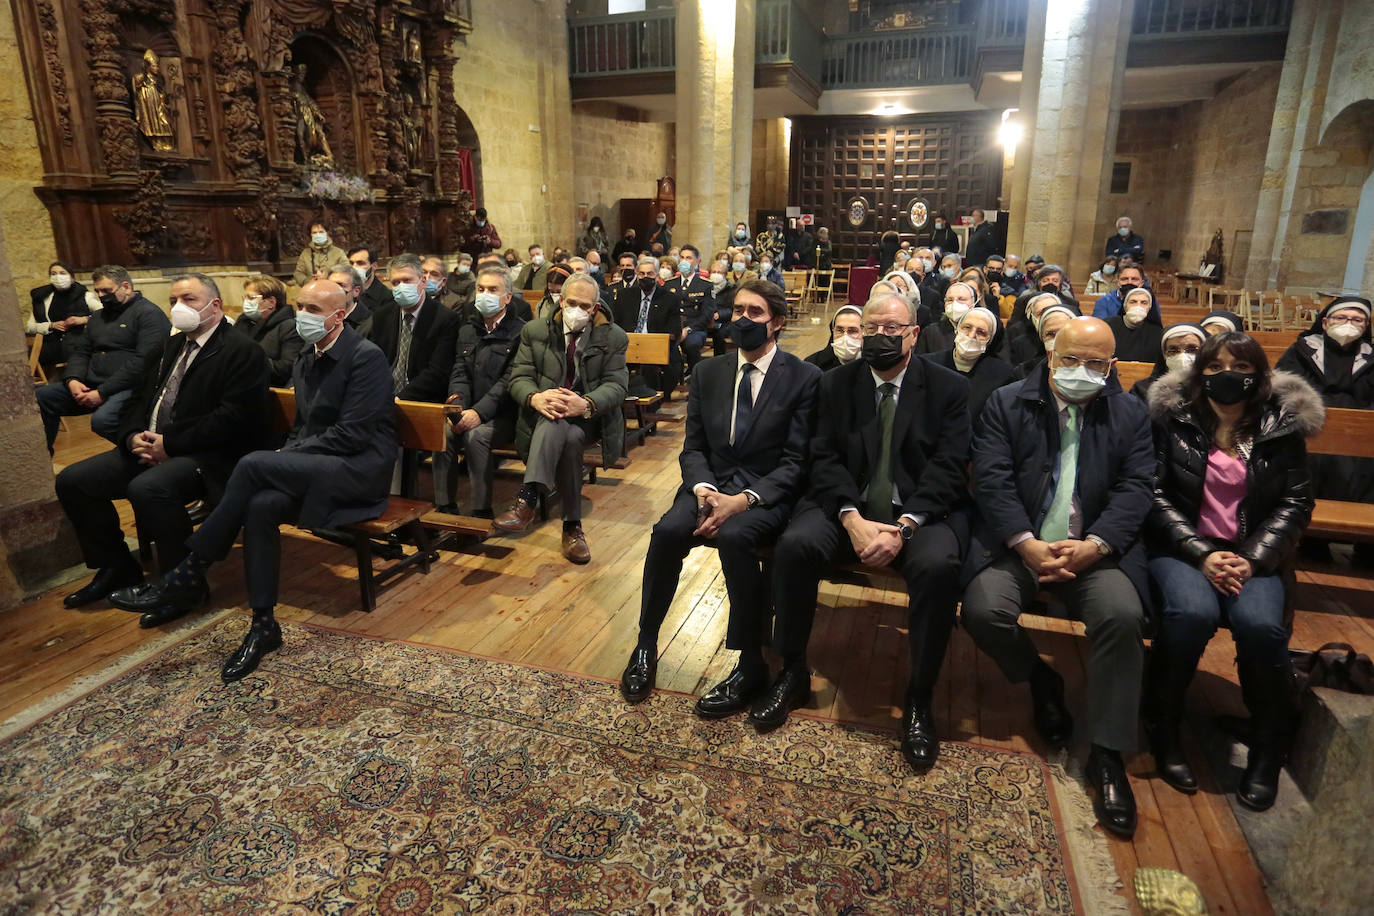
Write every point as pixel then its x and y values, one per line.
pixel 570 370
pixel 744 404
pixel 643 325
pixel 169 391
pixel 400 372
pixel 878 506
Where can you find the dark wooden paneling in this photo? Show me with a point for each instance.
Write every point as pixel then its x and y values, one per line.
pixel 952 161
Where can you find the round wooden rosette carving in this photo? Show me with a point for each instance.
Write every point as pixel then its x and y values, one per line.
pixel 918 213
pixel 857 211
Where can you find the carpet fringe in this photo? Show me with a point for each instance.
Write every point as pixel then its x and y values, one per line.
pixel 89 682
pixel 1093 867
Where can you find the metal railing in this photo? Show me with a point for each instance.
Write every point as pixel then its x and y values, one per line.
pixel 627 43
pixel 908 57
pixel 1001 23
pixel 1189 17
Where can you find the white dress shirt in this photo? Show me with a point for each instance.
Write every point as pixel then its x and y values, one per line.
pixel 755 385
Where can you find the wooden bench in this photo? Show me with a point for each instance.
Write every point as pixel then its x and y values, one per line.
pixel 1350 433
pixel 420 426
pixel 646 350
pixel 533 297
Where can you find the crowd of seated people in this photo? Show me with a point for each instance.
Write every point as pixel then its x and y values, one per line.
pixel 964 427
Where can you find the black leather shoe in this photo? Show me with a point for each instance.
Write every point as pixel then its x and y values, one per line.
pixel 107 579
pixel 159 597
pixel 162 615
pixel 1113 800
pixel 791 690
pixel 1053 720
pixel 260 640
pixel 1259 784
pixel 920 744
pixel 731 695
pixel 637 680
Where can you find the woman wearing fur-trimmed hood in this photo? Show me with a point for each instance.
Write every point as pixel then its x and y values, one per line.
pixel 1232 498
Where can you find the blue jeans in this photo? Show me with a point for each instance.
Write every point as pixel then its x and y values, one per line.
pixel 55 401
pixel 1192 611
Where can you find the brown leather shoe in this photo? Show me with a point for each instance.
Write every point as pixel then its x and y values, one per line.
pixel 518 517
pixel 575 546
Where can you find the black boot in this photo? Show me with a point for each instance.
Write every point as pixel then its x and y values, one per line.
pixel 1266 689
pixel 1168 682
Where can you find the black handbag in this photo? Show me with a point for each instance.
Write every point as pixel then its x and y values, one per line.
pixel 1335 665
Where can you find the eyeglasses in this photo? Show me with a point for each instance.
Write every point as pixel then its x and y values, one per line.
pixel 1100 366
pixel 1175 351
pixel 849 332
pixel 1357 320
pixel 891 330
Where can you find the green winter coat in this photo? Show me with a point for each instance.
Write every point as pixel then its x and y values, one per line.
pixel 540 364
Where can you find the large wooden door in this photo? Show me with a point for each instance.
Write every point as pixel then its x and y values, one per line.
pixel 952 162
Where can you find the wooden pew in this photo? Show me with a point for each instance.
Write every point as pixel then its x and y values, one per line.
pixel 646 350
pixel 1130 373
pixel 1351 433
pixel 420 426
pixel 533 297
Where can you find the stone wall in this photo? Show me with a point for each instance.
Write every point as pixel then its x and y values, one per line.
pixel 616 155
pixel 511 80
pixel 23 217
pixel 1330 178
pixel 1195 169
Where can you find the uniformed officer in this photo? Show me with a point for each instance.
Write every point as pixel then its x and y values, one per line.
pixel 698 299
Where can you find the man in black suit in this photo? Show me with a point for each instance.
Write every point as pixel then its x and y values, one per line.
pixel 624 277
pixel 648 308
pixel 749 418
pixel 697 299
pixel 374 293
pixel 333 470
pixel 201 396
pixel 416 333
pixel 982 243
pixel 887 468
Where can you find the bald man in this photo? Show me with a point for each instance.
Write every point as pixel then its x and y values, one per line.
pixel 1063 471
pixel 334 469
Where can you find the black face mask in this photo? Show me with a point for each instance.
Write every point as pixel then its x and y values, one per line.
pixel 647 283
pixel 1126 288
pixel 994 276
pixel 510 263
pixel 881 351
pixel 627 274
pixel 108 300
pixel 749 334
pixel 1230 387
pixel 1050 288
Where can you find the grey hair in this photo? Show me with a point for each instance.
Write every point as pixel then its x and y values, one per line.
pixel 345 270
pixel 581 280
pixel 210 287
pixel 404 261
pixel 114 272
pixel 646 259
pixel 573 262
pixel 876 302
pixel 503 273
pixel 341 267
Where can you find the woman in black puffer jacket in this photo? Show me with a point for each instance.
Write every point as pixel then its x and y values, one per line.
pixel 1232 497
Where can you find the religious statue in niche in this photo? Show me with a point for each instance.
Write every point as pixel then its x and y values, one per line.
pixel 150 104
pixel 311 140
pixel 412 118
pixel 410 44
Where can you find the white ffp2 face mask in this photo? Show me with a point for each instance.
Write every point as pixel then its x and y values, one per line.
pixel 967 347
pixel 1176 361
pixel 846 348
pixel 575 318
pixel 1343 334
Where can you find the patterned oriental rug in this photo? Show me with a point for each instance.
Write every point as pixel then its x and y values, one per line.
pixel 356 775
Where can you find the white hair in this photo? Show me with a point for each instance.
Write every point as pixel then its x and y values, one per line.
pixel 881 299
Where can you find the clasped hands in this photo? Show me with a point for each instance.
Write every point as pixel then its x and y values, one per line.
pixel 1057 561
pixel 86 397
pixel 875 543
pixel 713 508
pixel 1226 571
pixel 559 403
pixel 148 448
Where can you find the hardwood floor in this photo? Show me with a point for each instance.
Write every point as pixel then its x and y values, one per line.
pixel 518 600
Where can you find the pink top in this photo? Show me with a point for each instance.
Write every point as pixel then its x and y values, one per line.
pixel 1222 491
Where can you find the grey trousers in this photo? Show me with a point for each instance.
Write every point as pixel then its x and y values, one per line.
pixel 1109 606
pixel 556 459
pixel 476 444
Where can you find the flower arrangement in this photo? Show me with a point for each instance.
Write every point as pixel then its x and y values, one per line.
pixel 339 187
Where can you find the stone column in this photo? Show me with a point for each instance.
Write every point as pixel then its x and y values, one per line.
pixel 1025 116
pixel 715 117
pixel 1073 135
pixel 36 539
pixel 770 167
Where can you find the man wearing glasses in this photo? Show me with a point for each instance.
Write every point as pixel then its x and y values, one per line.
pixel 887 468
pixel 1063 471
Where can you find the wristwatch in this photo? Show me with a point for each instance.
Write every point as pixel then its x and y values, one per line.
pixel 751 499
pixel 590 411
pixel 908 529
pixel 1103 548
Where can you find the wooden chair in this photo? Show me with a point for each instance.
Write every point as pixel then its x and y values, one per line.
pixel 420 426
pixel 819 286
pixel 646 350
pixel 1165 284
pixel 794 287
pixel 839 282
pixel 1266 310
pixel 35 367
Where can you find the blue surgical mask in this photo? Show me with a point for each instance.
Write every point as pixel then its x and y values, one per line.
pixel 251 306
pixel 1079 383
pixel 406 295
pixel 431 285
pixel 1108 269
pixel 1123 232
pixel 310 327
pixel 948 272
pixel 488 304
pixel 319 238
pixel 464 268
pixel 684 268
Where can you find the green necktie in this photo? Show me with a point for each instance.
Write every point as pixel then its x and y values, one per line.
pixel 1056 525
pixel 878 506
